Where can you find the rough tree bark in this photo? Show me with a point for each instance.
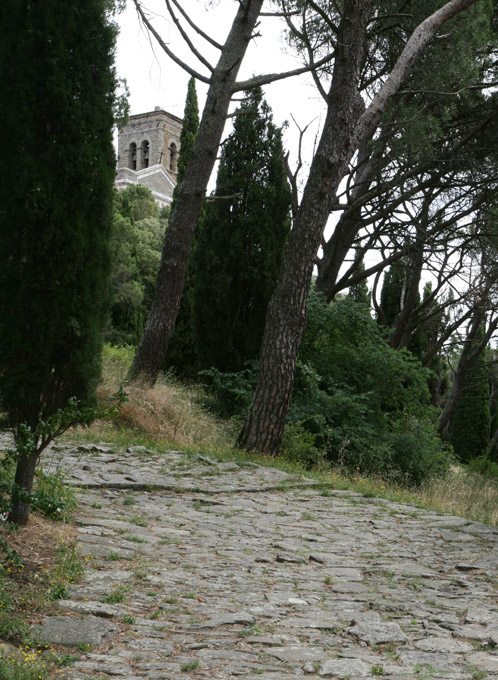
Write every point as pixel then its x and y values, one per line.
pixel 149 358
pixel 286 315
pixel 23 481
pixel 343 133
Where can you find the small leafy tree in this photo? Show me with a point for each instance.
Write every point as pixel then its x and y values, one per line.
pixel 136 242
pixel 240 241
pixel 57 99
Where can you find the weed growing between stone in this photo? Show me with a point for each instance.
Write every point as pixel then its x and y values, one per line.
pixel 37 564
pixel 24 665
pixel 31 664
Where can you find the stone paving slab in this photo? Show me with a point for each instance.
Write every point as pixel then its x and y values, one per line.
pixel 216 571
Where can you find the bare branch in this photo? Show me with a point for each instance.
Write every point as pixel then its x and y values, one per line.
pixel 257 81
pixel 292 176
pixel 185 37
pixel 281 14
pixel 442 93
pixel 214 197
pixel 195 27
pixel 169 52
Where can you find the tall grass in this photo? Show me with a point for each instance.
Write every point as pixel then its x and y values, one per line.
pixel 463 493
pixel 170 413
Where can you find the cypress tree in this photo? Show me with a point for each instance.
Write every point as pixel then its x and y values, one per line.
pixel 181 352
pixel 57 171
pixel 391 295
pixel 359 291
pixel 188 134
pixel 240 241
pixel 471 422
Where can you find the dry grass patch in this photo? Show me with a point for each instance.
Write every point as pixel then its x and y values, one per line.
pixel 37 562
pixel 169 413
pixel 38 543
pixel 463 493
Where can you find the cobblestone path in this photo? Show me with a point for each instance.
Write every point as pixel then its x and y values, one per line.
pixel 201 569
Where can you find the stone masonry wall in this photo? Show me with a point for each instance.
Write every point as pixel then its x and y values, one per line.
pixel 160 129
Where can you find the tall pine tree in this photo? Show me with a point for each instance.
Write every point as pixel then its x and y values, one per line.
pixel 181 352
pixel 240 241
pixel 57 95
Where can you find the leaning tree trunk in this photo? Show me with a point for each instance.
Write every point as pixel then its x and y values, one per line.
pixel 286 315
pixel 151 352
pixel 263 428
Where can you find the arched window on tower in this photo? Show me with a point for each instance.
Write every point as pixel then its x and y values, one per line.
pixel 132 156
pixel 173 153
pixel 145 154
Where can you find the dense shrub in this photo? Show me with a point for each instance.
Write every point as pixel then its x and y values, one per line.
pixel 356 402
pixel 366 403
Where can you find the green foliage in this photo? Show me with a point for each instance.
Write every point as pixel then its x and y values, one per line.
pixel 460 50
pixel 298 444
pixel 19 593
pixel 356 402
pixel 116 361
pixel 484 466
pixel 359 291
pixel 366 404
pixel 240 241
pixel 136 244
pixel 471 422
pixel 391 295
pixel 52 496
pixel 231 392
pixel 24 665
pixel 417 452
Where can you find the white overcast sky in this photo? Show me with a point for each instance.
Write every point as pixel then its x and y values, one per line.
pixel 154 80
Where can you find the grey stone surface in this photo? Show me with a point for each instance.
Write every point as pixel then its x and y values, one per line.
pixel 443 644
pixel 343 668
pixel 295 653
pixel 71 632
pixel 378 633
pixel 221 571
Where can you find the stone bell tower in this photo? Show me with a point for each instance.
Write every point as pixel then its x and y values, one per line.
pixel 148 149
